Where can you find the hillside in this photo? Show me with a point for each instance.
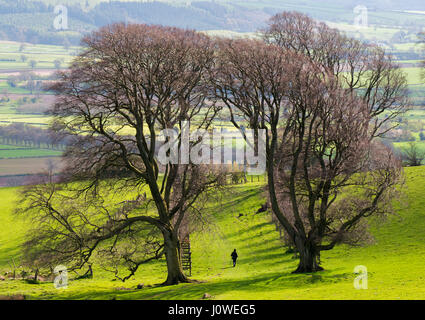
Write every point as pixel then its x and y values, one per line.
pixel 33 21
pixel 395 262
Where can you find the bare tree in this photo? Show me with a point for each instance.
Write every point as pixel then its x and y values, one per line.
pixel 412 155
pixel 32 64
pixel 364 69
pixel 70 229
pixel 355 96
pixel 131 82
pixel 320 133
pixel 57 63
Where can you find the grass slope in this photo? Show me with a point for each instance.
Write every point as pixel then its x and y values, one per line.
pixel 395 262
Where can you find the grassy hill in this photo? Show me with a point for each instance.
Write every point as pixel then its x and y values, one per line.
pixel 395 262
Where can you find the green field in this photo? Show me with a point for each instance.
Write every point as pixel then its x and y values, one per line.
pixel 12 151
pixel 44 55
pixel 404 145
pixel 395 262
pixel 4 147
pixel 26 160
pixel 28 153
pixel 414 76
pixel 34 120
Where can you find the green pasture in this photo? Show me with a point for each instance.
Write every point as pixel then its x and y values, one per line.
pixel 395 262
pixel 28 153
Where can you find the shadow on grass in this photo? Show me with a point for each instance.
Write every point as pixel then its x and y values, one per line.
pixel 253 228
pixel 239 197
pixel 261 251
pixel 262 283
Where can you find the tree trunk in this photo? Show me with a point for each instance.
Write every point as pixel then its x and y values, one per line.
pixel 172 256
pixel 308 257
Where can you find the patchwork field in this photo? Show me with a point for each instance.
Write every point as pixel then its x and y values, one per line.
pixel 24 166
pixel 395 261
pixel 15 110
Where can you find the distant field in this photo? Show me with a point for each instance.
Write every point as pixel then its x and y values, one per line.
pixel 369 33
pixel 11 152
pixel 404 145
pixel 28 153
pixel 15 58
pixel 10 167
pixel 231 34
pixel 414 76
pixel 90 2
pixel 44 55
pixel 9 147
pixel 416 114
pixel 5 86
pixel 35 120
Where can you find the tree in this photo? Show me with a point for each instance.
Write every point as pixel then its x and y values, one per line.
pixel 398 37
pixel 24 58
pixel 68 229
pixel 412 155
pixel 57 63
pixel 32 64
pixel 364 69
pixel 131 82
pixel 12 81
pixel 66 44
pixel 30 85
pixel 321 124
pixel 5 95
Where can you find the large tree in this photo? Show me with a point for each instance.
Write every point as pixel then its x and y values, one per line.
pixel 322 99
pixel 364 69
pixel 130 82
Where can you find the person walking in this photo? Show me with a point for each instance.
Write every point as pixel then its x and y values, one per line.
pixel 234 256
